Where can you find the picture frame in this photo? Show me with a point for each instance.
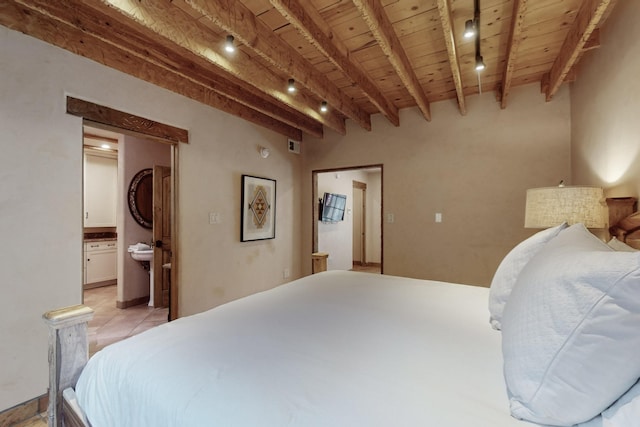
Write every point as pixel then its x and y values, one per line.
pixel 258 209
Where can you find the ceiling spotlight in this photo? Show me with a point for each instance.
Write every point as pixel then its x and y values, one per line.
pixel 469 29
pixel 472 30
pixel 324 107
pixel 228 45
pixel 291 87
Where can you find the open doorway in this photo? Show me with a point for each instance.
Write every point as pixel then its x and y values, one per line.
pixel 127 295
pixel 354 241
pixel 140 131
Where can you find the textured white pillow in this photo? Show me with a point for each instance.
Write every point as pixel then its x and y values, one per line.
pixel 619 246
pixel 570 335
pixel 626 411
pixel 510 268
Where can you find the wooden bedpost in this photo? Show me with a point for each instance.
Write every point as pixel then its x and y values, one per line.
pixel 68 353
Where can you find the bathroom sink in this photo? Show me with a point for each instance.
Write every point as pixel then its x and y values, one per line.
pixel 142 254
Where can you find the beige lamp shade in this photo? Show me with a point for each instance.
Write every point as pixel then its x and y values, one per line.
pixel 551 206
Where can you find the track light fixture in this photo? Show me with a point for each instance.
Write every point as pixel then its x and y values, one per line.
pixel 472 29
pixel 324 107
pixel 228 45
pixel 291 86
pixel 469 29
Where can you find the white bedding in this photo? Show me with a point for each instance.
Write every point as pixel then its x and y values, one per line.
pixel 332 349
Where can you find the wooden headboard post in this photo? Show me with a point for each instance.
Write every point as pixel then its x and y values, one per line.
pixel 620 208
pixel 68 353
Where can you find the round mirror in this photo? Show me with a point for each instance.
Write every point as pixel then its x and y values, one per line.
pixel 141 198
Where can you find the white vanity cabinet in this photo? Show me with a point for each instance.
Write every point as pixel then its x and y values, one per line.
pixel 100 261
pixel 100 190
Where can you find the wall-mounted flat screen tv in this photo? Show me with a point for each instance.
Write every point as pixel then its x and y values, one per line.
pixel 332 207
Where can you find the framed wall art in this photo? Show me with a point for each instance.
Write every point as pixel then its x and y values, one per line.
pixel 258 208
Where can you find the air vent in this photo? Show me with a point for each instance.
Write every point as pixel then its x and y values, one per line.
pixel 294 146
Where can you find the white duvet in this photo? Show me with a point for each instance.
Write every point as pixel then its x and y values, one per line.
pixel 332 349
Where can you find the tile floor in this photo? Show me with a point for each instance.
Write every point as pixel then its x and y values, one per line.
pixel 110 324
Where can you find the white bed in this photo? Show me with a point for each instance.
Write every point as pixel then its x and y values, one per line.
pixel 332 349
pixel 354 349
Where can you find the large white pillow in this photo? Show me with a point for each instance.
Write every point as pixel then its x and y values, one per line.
pixel 571 334
pixel 510 267
pixel 626 411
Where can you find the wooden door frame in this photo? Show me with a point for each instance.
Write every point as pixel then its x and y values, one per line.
pixel 99 116
pixel 363 236
pixel 315 211
pixel 158 234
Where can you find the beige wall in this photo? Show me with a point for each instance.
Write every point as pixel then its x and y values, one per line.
pixel 473 169
pixel 605 108
pixel 41 198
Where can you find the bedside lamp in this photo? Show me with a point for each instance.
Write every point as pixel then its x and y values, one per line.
pixel 550 206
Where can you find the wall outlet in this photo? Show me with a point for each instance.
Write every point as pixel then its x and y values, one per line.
pixel 391 218
pixel 285 273
pixel 438 217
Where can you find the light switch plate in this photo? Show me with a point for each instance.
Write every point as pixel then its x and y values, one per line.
pixel 214 218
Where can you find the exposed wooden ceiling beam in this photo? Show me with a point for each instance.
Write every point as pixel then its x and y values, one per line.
pixel 593 42
pixel 37 23
pixel 379 24
pixel 589 16
pixel 515 37
pixel 361 52
pixel 236 19
pixel 311 25
pixel 172 28
pixel 447 28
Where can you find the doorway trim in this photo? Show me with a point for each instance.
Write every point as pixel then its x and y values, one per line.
pixel 316 212
pixel 357 185
pixel 129 123
pixel 104 117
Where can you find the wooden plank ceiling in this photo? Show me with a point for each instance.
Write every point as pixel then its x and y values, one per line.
pixel 360 57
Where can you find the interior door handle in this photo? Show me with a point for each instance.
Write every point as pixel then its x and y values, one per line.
pixel 158 243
